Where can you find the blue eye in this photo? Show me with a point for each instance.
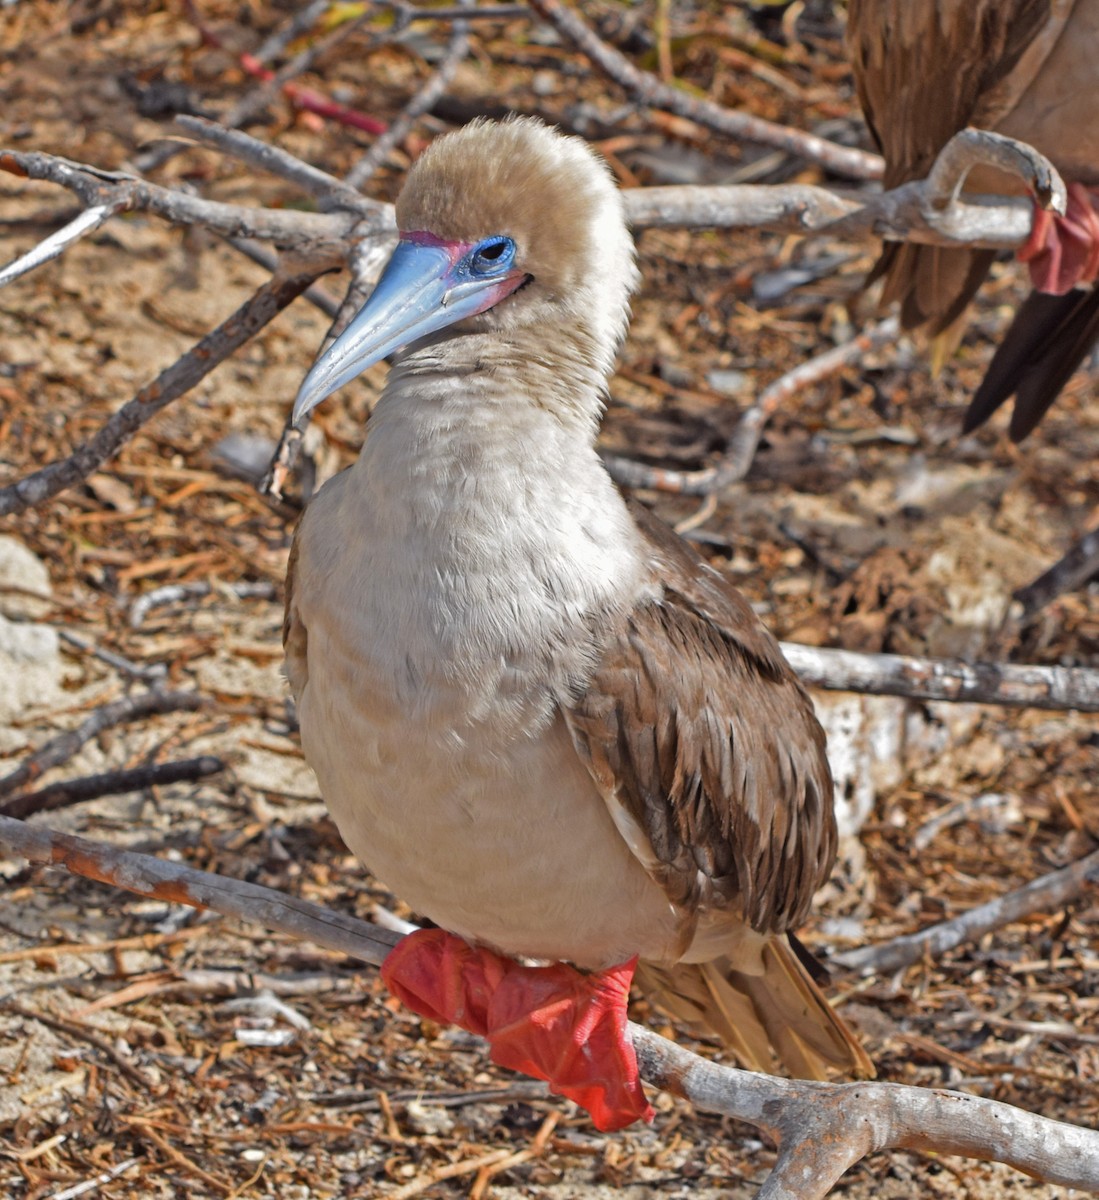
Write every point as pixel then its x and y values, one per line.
pixel 492 255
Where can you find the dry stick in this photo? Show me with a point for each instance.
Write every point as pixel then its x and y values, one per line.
pixel 734 464
pixel 439 80
pixel 822 1129
pixel 994 222
pixel 1040 895
pixel 73 1029
pixel 1011 685
pixel 171 383
pixel 129 708
pixel 1071 572
pixel 278 162
pixel 93 187
pixel 649 90
pixel 111 783
pixel 173 593
pixel 54 245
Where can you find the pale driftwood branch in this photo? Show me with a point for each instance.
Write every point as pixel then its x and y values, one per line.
pixel 970 148
pixel 177 884
pixel 906 213
pixel 1077 566
pixel 133 194
pixel 1040 895
pixel 170 384
pixel 651 91
pixel 427 95
pixel 49 248
pixel 61 748
pixel 735 463
pixel 1011 685
pixel 822 1129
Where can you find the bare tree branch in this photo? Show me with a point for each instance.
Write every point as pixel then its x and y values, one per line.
pixel 61 748
pixel 275 161
pixel 735 463
pixel 1011 685
pixel 170 384
pixel 649 90
pixel 87 222
pixel 821 1129
pixel 1073 570
pixel 913 212
pixel 439 80
pixel 1040 895
pixel 110 783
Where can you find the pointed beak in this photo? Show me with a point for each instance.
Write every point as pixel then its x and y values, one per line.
pixel 423 289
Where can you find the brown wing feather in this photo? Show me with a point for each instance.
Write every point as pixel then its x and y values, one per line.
pixel 696 726
pixel 294 637
pixel 925 69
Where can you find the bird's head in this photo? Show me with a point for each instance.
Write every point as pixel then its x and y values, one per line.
pixel 505 227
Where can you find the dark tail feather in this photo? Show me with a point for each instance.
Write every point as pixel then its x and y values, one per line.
pixel 1047 341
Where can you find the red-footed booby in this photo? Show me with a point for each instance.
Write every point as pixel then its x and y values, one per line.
pixel 925 69
pixel 533 712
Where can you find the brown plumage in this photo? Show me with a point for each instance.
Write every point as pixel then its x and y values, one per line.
pixel 534 712
pixel 925 69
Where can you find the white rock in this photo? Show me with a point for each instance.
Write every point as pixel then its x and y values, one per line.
pixel 24 581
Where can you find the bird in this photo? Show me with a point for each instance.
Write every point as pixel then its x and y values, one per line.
pixel 534 713
pixel 925 69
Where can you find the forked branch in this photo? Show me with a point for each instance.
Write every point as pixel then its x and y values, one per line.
pixel 821 1129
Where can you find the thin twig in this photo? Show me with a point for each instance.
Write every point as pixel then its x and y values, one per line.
pixel 276 161
pixel 1008 684
pixel 649 90
pixel 111 783
pixel 73 1029
pixel 132 194
pixel 1040 895
pixel 61 748
pixel 821 1129
pixel 173 593
pixel 91 1185
pixel 437 83
pixel 50 248
pixel 170 384
pixel 151 674
pixel 1072 571
pixel 735 463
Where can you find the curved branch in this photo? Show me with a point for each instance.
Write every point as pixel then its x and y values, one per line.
pixel 822 1128
pixel 650 90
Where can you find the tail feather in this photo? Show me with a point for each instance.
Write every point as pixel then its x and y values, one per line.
pixel 1047 341
pixel 779 1012
pixel 932 284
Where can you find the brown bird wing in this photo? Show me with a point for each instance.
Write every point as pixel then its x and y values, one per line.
pixel 706 749
pixel 925 69
pixel 707 752
pixel 294 639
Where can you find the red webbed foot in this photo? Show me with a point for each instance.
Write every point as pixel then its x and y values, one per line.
pixel 1064 251
pixel 554 1023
